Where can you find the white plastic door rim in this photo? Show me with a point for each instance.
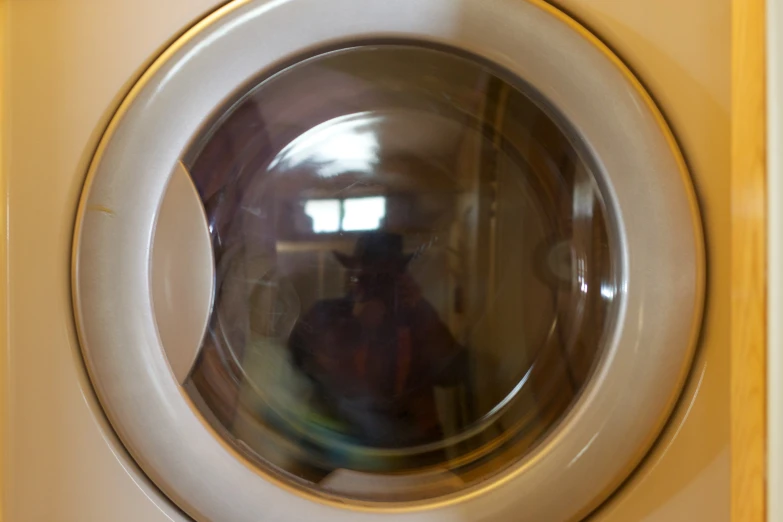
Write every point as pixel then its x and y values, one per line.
pixel 489 165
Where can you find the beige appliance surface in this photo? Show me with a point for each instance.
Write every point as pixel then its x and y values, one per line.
pixel 67 65
pixel 680 50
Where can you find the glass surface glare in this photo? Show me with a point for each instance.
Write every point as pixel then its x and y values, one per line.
pixel 414 273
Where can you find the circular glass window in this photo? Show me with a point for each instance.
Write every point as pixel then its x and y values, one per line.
pixel 414 272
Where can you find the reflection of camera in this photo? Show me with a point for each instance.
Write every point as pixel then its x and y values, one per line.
pixel 366 286
pixel 375 268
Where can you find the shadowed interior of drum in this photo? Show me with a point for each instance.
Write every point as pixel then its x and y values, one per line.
pixel 414 273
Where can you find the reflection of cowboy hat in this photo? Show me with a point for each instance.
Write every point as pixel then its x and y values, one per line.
pixel 376 249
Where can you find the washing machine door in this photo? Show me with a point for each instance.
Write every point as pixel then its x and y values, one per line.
pixel 420 260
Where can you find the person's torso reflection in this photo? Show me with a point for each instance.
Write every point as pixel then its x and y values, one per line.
pixel 376 354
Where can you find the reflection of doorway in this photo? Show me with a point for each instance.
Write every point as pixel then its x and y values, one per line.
pixel 531 231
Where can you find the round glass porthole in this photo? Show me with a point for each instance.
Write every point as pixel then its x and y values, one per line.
pixel 413 272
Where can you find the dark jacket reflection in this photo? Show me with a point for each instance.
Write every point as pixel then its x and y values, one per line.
pixel 377 354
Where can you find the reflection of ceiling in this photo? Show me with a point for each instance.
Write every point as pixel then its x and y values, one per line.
pixel 379 151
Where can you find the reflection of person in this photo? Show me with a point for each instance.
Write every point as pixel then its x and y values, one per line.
pixel 376 354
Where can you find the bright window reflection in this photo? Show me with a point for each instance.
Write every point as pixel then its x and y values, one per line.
pixel 363 213
pixel 349 215
pixel 325 214
pixel 332 149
